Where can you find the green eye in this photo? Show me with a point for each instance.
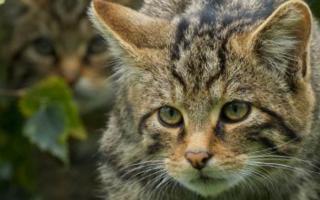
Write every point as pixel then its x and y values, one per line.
pixel 235 111
pixel 169 116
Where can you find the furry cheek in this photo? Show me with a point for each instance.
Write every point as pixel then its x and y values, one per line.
pixel 156 138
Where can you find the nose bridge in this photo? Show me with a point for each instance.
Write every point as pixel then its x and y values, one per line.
pixel 70 68
pixel 70 63
pixel 202 124
pixel 198 150
pixel 200 139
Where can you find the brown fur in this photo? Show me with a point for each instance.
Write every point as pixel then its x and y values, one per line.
pixel 212 53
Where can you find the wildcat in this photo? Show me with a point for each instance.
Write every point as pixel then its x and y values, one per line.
pixel 56 38
pixel 216 100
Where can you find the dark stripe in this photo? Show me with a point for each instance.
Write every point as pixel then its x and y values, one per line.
pixel 266 142
pixel 179 39
pixel 179 78
pixel 222 55
pixel 220 130
pixel 211 80
pixel 258 128
pixel 278 120
pixel 142 122
pixel 222 52
pixel 181 135
pixel 156 136
pixel 154 148
pixel 255 135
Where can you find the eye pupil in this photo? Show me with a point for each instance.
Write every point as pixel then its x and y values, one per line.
pixel 172 112
pixel 235 108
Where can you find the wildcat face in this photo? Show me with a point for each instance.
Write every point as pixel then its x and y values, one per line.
pixel 207 151
pixel 56 38
pixel 214 99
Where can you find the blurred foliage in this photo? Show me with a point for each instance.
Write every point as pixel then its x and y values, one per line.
pixel 16 161
pixel 45 114
pixel 43 117
pixel 52 117
pixel 39 120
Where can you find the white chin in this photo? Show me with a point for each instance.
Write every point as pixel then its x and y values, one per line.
pixel 207 188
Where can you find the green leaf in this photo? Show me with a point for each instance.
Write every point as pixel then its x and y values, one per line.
pixel 52 116
pixel 46 129
pixel 54 91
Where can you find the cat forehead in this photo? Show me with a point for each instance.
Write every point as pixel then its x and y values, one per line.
pixel 199 52
pixel 199 46
pixel 216 21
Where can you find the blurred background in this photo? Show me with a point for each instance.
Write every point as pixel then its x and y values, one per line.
pixel 55 94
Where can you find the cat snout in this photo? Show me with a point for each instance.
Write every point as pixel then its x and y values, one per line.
pixel 70 70
pixel 198 160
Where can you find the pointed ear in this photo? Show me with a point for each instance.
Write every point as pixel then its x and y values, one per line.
pixel 129 32
pixel 282 41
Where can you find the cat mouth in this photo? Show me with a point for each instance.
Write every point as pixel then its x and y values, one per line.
pixel 206 185
pixel 207 180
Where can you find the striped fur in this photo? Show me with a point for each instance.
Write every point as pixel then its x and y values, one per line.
pixel 196 56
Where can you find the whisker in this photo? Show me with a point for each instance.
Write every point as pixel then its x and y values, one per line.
pixel 281 166
pixel 278 157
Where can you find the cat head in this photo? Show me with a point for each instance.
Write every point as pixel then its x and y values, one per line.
pixel 217 97
pixel 55 37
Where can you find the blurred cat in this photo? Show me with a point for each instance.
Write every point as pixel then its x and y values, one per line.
pixel 54 37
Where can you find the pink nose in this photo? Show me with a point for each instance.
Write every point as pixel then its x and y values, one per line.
pixel 198 160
